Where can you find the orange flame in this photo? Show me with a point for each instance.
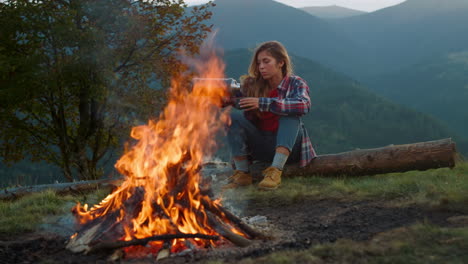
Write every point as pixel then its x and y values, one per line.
pixel 163 167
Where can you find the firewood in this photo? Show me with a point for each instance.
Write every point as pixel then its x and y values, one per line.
pixel 182 182
pixel 221 211
pixel 98 229
pixel 159 212
pixel 80 241
pixel 107 228
pixel 224 231
pixel 132 206
pixel 243 226
pixel 111 245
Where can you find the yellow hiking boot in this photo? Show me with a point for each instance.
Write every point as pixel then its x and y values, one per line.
pixel 271 180
pixel 239 178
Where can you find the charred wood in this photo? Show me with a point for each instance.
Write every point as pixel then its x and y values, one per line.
pixel 106 246
pixel 224 231
pixel 108 228
pixel 221 211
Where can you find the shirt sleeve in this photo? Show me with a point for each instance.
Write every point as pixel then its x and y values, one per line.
pixel 296 103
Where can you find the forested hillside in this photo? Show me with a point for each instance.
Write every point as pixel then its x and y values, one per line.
pixel 438 86
pixel 396 37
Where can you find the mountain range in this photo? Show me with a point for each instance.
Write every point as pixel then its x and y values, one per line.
pixel 395 37
pixel 363 45
pixel 331 12
pixel 438 86
pixel 246 23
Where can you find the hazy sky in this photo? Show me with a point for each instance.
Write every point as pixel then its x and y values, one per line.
pixel 364 5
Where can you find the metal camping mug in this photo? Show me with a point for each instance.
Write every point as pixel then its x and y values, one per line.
pixel 234 88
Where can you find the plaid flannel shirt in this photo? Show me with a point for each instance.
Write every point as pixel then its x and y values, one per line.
pixel 293 99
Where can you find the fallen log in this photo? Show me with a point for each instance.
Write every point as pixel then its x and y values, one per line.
pixel 393 158
pixel 60 188
pixel 71 187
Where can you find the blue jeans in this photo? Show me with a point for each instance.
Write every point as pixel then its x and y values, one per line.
pixel 245 139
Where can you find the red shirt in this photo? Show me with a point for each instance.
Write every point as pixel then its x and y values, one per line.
pixel 269 121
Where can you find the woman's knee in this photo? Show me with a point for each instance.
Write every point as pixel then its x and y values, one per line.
pixel 238 120
pixel 289 126
pixel 236 117
pixel 290 121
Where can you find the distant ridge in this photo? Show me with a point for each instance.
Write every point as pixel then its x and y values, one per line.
pixel 246 23
pixel 331 12
pixel 404 34
pixel 438 86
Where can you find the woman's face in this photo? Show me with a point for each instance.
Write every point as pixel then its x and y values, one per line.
pixel 268 66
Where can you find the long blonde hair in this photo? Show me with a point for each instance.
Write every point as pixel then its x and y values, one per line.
pixel 255 85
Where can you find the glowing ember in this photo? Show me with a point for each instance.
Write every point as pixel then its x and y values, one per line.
pixel 161 193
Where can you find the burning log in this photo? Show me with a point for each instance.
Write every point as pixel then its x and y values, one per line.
pixel 103 234
pixel 393 158
pixel 224 231
pixel 223 212
pixel 106 246
pixel 107 229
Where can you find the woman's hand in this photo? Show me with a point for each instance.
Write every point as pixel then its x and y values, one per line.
pixel 249 103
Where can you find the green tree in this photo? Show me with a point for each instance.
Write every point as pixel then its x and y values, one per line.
pixel 75 74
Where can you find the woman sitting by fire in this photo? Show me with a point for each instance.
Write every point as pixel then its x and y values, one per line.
pixel 270 128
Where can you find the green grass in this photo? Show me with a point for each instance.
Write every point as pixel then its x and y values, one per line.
pixel 27 213
pixel 420 243
pixel 438 187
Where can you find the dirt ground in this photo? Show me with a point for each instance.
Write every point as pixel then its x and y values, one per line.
pixel 295 226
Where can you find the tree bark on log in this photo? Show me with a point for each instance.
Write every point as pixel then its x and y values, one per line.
pixel 393 158
pixel 60 188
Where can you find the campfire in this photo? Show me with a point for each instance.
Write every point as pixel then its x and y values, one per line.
pixel 163 203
